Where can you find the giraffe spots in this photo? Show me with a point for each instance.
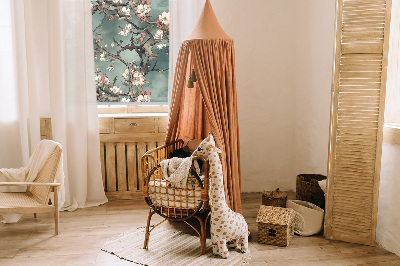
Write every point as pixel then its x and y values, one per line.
pixel 225 224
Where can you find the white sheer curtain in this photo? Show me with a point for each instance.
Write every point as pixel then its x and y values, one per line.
pixel 10 147
pixel 55 78
pixel 183 17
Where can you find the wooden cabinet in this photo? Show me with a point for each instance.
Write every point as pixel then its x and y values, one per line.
pixel 123 141
pixel 135 125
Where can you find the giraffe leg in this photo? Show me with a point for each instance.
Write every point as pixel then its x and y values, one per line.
pixel 222 249
pixel 243 243
pixel 215 248
pixel 233 243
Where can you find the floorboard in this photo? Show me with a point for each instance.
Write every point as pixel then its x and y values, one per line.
pixel 82 233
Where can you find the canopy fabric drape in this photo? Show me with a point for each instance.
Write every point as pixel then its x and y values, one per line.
pixel 211 106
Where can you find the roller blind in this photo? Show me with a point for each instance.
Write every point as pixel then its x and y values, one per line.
pixel 358 97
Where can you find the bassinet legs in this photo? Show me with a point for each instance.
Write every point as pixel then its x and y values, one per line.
pixel 202 233
pixel 147 235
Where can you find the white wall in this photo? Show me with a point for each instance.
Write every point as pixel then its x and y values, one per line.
pixel 314 60
pixel 264 34
pixel 388 227
pixel 284 52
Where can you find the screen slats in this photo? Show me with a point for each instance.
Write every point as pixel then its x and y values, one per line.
pixel 357 119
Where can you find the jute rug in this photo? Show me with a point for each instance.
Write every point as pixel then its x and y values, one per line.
pixel 168 247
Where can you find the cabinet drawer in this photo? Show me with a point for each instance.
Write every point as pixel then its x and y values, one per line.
pixel 134 125
pixel 162 124
pixel 106 125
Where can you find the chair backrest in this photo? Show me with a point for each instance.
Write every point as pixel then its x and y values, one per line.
pixel 46 175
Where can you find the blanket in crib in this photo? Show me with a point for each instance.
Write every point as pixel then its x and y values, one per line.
pixel 176 170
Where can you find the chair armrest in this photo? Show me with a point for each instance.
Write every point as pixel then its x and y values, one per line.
pixel 29 184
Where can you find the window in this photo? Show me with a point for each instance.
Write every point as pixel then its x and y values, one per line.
pixel 131 46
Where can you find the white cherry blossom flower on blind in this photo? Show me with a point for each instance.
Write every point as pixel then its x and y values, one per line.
pixel 164 18
pixel 138 78
pixel 126 74
pixel 126 30
pixel 143 10
pixel 101 80
pixel 159 35
pixel 125 100
pixel 110 68
pixel 161 46
pixel 143 98
pixel 115 89
pixel 126 11
pixel 103 56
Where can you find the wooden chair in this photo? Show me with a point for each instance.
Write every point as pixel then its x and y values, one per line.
pixel 36 197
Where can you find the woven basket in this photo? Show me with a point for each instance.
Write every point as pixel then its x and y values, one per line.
pixel 308 189
pixel 274 198
pixel 275 225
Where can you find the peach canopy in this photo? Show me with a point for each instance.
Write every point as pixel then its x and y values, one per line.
pixel 211 105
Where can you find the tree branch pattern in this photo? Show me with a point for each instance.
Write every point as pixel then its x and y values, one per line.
pixel 131 46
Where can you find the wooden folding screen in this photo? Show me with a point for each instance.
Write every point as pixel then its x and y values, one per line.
pixel 358 96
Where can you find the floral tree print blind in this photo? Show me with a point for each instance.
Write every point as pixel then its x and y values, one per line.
pixel 131 45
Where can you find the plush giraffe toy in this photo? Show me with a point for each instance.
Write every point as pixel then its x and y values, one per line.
pixel 226 225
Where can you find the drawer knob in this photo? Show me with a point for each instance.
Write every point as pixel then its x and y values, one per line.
pixel 133 124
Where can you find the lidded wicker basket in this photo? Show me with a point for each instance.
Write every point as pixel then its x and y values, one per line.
pixel 308 189
pixel 275 225
pixel 274 198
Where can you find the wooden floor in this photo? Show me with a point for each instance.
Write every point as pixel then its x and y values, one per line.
pixel 82 233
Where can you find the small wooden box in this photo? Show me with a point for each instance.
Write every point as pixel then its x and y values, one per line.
pixel 274 198
pixel 275 225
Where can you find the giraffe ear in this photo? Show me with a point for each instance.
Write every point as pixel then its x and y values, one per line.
pixel 216 149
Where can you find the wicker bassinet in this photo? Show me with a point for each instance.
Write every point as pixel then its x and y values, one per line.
pixel 170 202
